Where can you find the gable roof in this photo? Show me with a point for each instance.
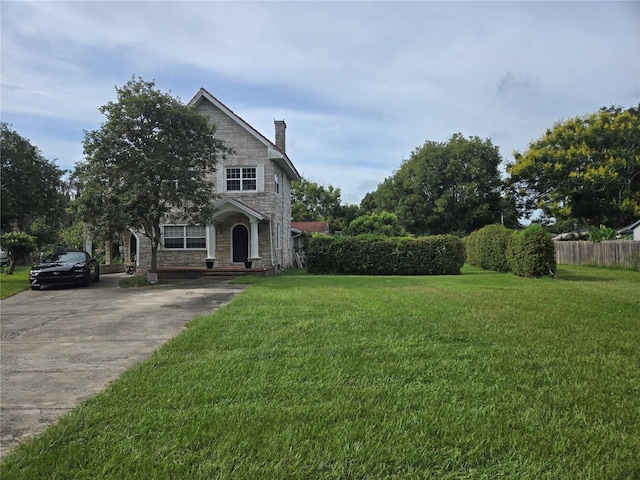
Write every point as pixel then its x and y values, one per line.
pixel 231 205
pixel 274 153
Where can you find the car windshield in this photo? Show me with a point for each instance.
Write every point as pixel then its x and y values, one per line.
pixel 65 257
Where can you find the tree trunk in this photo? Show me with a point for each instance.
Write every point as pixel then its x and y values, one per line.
pixel 12 265
pixel 126 243
pixel 154 257
pixel 108 247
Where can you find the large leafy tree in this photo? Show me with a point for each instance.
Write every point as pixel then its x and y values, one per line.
pixel 311 202
pixel 150 162
pixel 583 170
pixel 383 223
pixel 32 187
pixel 452 187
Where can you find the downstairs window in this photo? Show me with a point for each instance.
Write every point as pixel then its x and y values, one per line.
pixel 184 237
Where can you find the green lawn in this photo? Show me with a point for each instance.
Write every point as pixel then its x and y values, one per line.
pixel 15 283
pixel 480 375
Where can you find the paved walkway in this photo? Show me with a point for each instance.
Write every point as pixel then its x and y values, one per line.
pixel 61 346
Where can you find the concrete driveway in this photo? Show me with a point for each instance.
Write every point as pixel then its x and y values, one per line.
pixel 61 346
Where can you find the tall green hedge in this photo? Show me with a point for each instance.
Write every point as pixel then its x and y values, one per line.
pixel 527 253
pixel 531 253
pixel 487 248
pixel 436 255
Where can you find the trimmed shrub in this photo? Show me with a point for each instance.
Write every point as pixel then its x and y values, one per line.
pixel 487 248
pixel 531 253
pixel 471 248
pixel 436 255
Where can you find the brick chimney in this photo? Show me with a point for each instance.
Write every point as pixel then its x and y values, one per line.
pixel 280 135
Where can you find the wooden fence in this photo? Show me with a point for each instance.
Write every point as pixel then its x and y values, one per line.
pixel 621 253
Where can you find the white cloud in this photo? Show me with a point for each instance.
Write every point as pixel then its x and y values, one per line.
pixel 360 84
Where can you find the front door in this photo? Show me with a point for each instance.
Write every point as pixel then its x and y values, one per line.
pixel 240 243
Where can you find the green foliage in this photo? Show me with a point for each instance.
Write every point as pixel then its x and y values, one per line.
pixel 445 188
pixel 311 202
pixel 487 248
pixel 598 234
pixel 44 231
pixel 370 255
pixel 345 215
pixel 584 170
pixel 531 252
pixel 151 161
pixel 384 223
pixel 31 186
pixel 74 235
pixel 17 245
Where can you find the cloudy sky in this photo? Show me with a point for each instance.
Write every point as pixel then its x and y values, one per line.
pixel 360 84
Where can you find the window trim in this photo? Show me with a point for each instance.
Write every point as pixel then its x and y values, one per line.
pixel 184 238
pixel 244 176
pixel 276 180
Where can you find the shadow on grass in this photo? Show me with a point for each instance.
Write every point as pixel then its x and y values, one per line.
pixel 582 278
pixel 564 274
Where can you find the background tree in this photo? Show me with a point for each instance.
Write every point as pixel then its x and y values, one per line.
pixel 32 187
pixel 151 162
pixel 17 245
pixel 311 202
pixel 451 187
pixel 383 223
pixel 584 170
pixel 346 214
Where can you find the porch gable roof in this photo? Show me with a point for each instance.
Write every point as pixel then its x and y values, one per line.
pixel 231 205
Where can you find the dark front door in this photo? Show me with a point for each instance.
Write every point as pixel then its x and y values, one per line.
pixel 240 237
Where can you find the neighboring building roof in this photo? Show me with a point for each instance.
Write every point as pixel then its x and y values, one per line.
pixel 629 228
pixel 274 153
pixel 575 235
pixel 311 227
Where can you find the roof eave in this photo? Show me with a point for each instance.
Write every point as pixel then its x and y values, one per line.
pixel 283 162
pixel 236 205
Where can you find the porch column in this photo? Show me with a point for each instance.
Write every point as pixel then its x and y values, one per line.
pixel 126 245
pixel 254 254
pixel 108 246
pixel 211 241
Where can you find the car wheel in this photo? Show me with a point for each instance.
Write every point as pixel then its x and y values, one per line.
pixel 86 280
pixel 35 287
pixel 97 277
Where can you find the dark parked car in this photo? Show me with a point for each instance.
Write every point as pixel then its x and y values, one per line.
pixel 65 268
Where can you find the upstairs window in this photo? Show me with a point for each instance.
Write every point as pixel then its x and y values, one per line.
pixel 276 179
pixel 184 236
pixel 241 179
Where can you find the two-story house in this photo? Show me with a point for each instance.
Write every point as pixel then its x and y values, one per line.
pixel 252 199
